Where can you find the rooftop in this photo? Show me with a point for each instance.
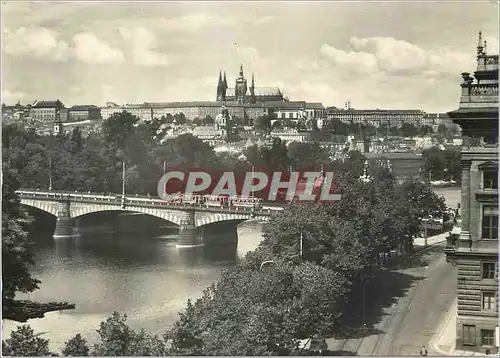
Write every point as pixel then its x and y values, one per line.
pixel 48 104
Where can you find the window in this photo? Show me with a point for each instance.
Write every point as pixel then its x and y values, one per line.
pixel 489 301
pixel 469 335
pixel 489 270
pixel 487 337
pixel 490 180
pixel 490 223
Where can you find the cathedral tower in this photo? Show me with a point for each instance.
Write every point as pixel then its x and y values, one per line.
pixel 252 90
pixel 240 90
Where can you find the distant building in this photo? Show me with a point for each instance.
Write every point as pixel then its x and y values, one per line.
pixel 297 111
pixel 83 112
pixel 290 135
pixel 375 117
pixel 475 250
pixel 48 111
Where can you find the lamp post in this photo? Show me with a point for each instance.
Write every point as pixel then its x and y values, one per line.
pixel 301 246
pixel 123 184
pixel 363 297
pixel 50 173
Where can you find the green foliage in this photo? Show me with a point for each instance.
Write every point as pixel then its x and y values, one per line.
pixel 442 164
pixel 253 312
pixel 306 155
pixel 76 347
pixel 118 339
pixel 24 343
pixel 263 123
pixel 16 256
pixel 408 130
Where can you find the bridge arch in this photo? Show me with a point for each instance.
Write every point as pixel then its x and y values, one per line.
pixel 212 218
pixel 45 206
pixel 78 211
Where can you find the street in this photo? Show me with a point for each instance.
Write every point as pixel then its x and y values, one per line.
pixel 404 307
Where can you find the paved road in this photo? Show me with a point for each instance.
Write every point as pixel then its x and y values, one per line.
pixel 416 311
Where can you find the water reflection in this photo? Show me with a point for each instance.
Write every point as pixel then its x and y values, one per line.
pixel 142 275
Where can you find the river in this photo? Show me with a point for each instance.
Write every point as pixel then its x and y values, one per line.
pixel 142 275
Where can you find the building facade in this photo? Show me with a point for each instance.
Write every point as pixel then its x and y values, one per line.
pixel 475 250
pixel 48 112
pixel 375 117
pixel 83 113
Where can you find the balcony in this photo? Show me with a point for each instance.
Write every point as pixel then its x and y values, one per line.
pixel 475 95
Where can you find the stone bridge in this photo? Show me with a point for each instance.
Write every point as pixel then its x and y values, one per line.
pixel 66 206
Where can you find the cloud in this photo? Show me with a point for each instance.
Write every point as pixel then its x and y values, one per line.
pixel 41 43
pixel 264 20
pixel 387 56
pixel 142 44
pixel 249 55
pixel 196 21
pixel 37 42
pixel 392 54
pixel 357 61
pixel 9 97
pixel 89 49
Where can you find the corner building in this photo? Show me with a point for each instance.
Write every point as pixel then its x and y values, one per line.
pixel 474 251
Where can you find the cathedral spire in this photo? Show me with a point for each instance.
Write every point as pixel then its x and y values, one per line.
pixel 225 80
pixel 219 87
pixel 253 80
pixel 241 70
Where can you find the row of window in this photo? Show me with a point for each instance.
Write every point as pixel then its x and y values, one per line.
pixel 469 336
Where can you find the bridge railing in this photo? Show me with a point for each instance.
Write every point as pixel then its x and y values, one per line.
pixel 140 201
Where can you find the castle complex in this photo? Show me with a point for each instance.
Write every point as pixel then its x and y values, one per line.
pixel 242 94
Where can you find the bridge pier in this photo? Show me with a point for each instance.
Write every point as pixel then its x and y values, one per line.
pixel 188 236
pixel 64 225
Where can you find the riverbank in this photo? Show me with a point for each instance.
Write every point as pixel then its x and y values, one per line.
pixel 23 310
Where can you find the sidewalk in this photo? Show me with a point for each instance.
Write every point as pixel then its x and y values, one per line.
pixel 443 342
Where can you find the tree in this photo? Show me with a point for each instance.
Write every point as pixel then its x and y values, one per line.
pixel 408 130
pixel 383 129
pixel 208 120
pixel 187 151
pixel 24 343
pixel 277 125
pixel 442 164
pixel 425 130
pixel 307 155
pixel 442 129
pixel 263 123
pixel 76 347
pixel 180 118
pixel 16 256
pixel 118 339
pixel 394 131
pixel 118 128
pixel 252 312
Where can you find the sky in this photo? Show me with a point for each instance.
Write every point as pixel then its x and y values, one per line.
pixel 406 55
